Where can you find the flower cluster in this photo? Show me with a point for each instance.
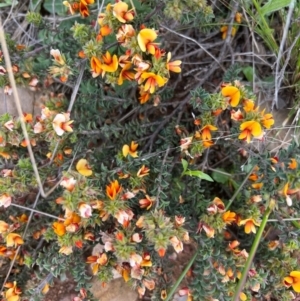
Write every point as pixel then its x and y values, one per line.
pixel 142 60
pixel 233 98
pixel 79 5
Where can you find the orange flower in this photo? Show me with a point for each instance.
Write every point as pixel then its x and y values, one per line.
pixel 131 150
pixel 250 224
pixel 147 202
pixel 293 164
pixel 58 58
pixel 229 217
pixel 113 189
pixel 233 94
pixel 293 280
pixel 97 261
pixel 145 38
pixel 105 30
pixel 249 128
pixel 257 185
pixel 121 12
pixel 96 67
pixel 84 168
pixel 83 7
pixel 237 115
pixel 152 81
pixel 173 66
pixel 249 105
pixel 206 132
pixel 3 227
pixel 144 96
pixel 143 171
pixel 59 228
pixel 110 63
pixel 62 123
pixel 125 74
pixel 287 193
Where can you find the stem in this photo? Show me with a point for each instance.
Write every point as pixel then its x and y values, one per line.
pixel 254 247
pixel 177 283
pixel 239 189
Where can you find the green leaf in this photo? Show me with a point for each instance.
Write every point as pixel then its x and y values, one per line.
pixel 249 73
pixel 184 164
pixel 220 177
pixel 199 174
pixel 274 5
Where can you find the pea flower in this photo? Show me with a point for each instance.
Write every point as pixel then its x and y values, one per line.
pixel 250 224
pixel 121 12
pixel 97 261
pixel 84 168
pixel 250 128
pixel 59 228
pixel 173 66
pixel 110 62
pixel 14 240
pixel 5 200
pixel 113 189
pixel 130 150
pixel 61 123
pixel 232 93
pixel 152 81
pixel 293 280
pixel 145 38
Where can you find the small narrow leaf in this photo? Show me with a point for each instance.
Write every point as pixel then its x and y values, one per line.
pixel 199 174
pixel 184 164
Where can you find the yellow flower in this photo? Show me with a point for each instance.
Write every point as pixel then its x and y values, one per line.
pixel 13 292
pixel 14 240
pixel 293 280
pixel 224 30
pixel 250 224
pixel 131 150
pixel 267 120
pixel 83 168
pixel 243 296
pixel 233 93
pixel 173 66
pixel 249 128
pixel 249 105
pixel 145 38
pixel 238 17
pixel 121 12
pixel 110 63
pixel 152 81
